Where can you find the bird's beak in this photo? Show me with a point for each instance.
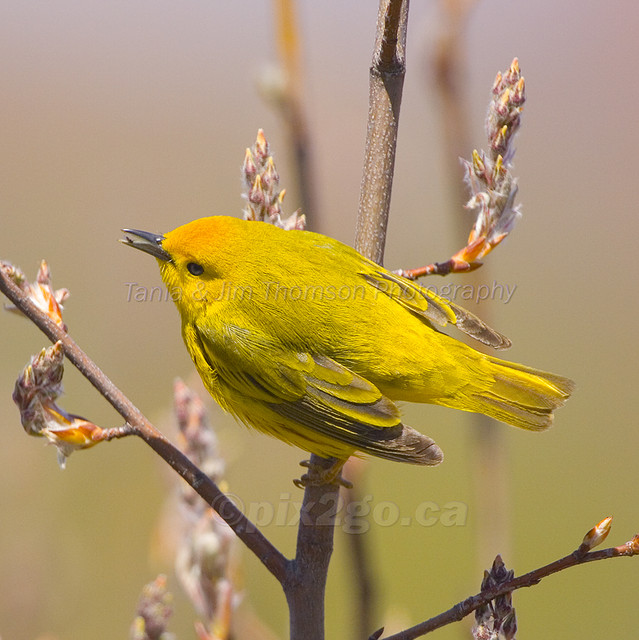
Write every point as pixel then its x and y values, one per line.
pixel 147 242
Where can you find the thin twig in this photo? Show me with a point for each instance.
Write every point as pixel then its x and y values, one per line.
pixel 489 176
pixel 305 587
pixel 291 104
pixel 305 591
pixel 363 573
pixel 386 83
pixel 272 559
pixel 467 606
pixel 450 62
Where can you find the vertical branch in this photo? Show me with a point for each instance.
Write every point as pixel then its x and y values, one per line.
pixel 449 68
pixel 385 95
pixel 449 62
pixel 306 587
pixel 291 103
pixel 362 566
pixel 305 581
pixel 491 488
pixel 386 83
pixel 306 584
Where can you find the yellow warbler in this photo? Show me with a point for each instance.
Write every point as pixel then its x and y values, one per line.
pixel 303 338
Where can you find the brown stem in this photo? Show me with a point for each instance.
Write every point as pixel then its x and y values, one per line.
pixel 272 559
pixel 386 83
pixel 449 64
pixel 306 584
pixel 305 587
pixel 292 105
pixel 467 606
pixel 362 564
pixel 450 61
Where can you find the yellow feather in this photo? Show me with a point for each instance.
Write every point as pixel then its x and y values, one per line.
pixel 301 337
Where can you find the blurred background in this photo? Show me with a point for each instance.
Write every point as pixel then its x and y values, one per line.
pixel 125 114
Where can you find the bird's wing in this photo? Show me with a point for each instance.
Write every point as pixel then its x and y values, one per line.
pixel 313 391
pixel 435 309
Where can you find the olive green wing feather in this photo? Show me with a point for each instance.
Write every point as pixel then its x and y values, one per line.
pixel 313 391
pixel 433 308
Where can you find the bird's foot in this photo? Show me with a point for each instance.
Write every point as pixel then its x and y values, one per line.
pixel 319 475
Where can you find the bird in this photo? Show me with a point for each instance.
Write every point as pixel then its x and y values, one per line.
pixel 302 338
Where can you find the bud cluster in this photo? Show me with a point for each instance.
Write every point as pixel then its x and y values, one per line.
pixel 40 383
pixel 489 175
pixel 204 553
pixel 153 612
pixel 41 293
pixel 496 620
pixel 262 190
pixel 35 393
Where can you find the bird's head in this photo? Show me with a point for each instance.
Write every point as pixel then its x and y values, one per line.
pixel 194 259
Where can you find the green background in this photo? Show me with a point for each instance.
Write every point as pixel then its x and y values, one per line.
pixel 137 114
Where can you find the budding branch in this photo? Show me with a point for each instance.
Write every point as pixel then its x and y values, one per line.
pixel 467 606
pixel 138 425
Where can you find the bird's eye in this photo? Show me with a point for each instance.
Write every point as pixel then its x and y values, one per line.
pixel 195 269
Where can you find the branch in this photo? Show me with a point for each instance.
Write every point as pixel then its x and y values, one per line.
pixel 362 568
pixel 138 425
pixel 306 585
pixel 577 557
pixel 449 61
pixel 490 178
pixel 291 103
pixel 386 83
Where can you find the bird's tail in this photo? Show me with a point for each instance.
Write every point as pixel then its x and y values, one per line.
pixel 519 395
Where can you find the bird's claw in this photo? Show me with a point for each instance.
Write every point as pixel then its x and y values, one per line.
pixel 318 475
